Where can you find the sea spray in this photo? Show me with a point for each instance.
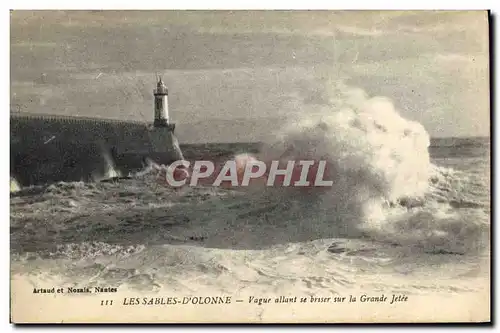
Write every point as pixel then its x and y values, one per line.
pixel 177 150
pixel 14 185
pixel 374 155
pixel 110 166
pixel 384 185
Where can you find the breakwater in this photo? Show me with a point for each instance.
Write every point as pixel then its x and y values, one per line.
pixel 48 148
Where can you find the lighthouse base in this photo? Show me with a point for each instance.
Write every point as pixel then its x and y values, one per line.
pixel 163 140
pixel 163 123
pixel 163 149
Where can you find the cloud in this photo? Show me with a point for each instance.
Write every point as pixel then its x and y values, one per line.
pixel 315 22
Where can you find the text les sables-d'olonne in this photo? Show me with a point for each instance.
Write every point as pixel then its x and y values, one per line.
pixel 207 300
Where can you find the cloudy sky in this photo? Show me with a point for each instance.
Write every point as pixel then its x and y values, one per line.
pixel 233 75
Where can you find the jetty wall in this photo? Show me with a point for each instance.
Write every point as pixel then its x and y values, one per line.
pixel 48 148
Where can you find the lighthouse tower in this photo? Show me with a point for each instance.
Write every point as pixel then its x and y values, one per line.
pixel 164 145
pixel 161 105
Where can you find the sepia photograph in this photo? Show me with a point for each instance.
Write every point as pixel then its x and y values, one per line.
pixel 250 166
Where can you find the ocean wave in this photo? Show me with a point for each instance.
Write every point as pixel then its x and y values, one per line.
pixel 383 180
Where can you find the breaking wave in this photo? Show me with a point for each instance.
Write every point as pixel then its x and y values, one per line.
pixel 384 182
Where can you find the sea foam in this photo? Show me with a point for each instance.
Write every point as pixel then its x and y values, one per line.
pixel 374 155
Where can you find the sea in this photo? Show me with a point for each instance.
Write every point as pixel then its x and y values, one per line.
pixel 136 233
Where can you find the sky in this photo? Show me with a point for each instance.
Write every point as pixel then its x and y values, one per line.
pixel 235 75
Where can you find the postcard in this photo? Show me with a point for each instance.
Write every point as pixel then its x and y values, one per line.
pixel 264 166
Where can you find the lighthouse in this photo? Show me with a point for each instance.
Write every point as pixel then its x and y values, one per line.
pixel 161 104
pixel 164 145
